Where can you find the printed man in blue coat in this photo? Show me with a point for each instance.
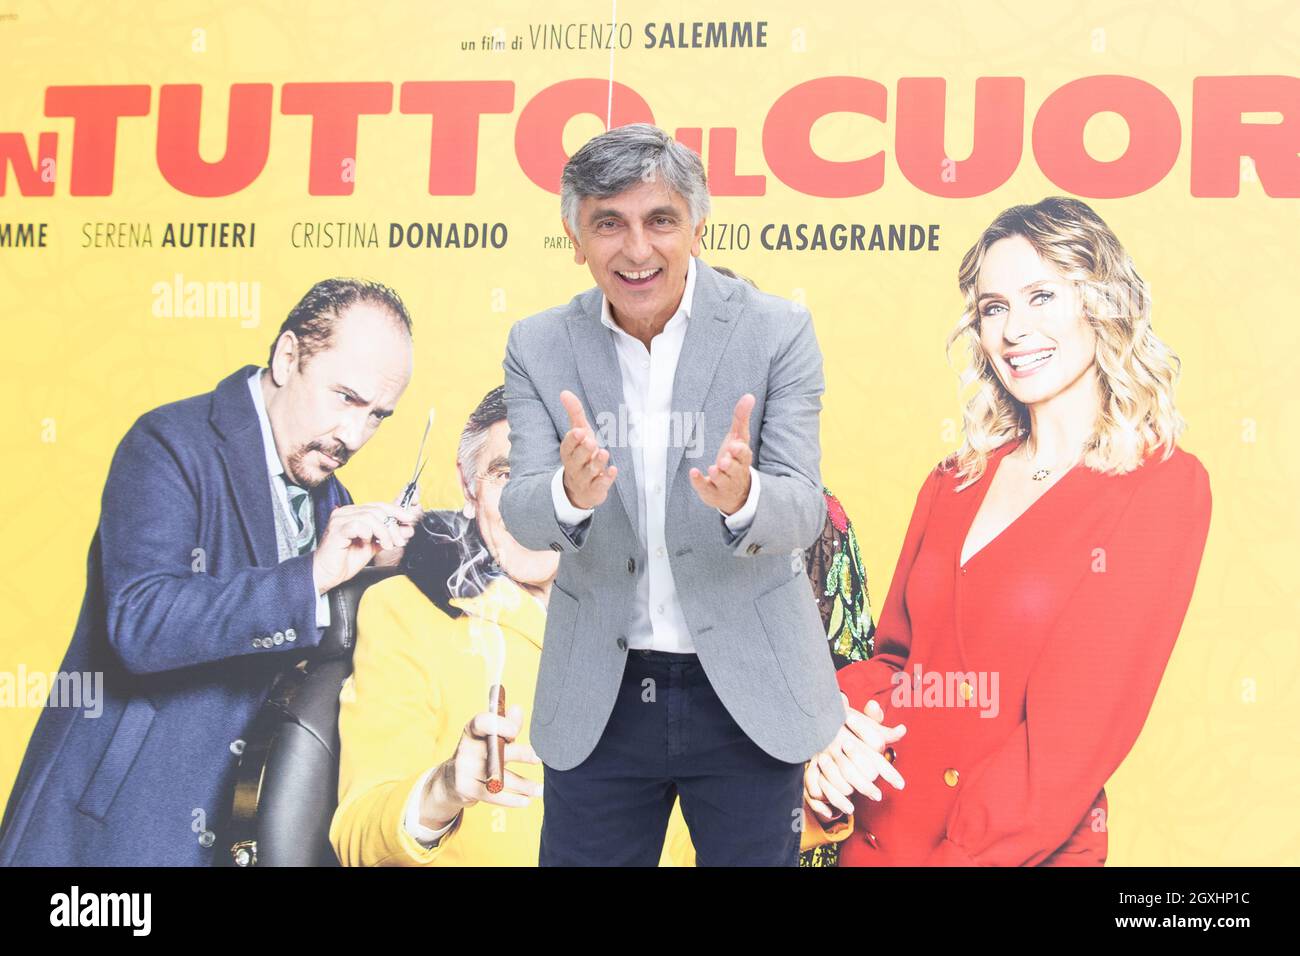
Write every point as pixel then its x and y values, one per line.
pixel 222 528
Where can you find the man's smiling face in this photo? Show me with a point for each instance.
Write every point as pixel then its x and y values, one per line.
pixel 638 245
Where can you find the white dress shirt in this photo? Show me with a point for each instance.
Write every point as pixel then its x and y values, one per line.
pixel 276 468
pixel 657 619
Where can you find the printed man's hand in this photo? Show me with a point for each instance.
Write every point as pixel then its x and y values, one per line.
pixel 586 479
pixel 393 556
pixel 461 779
pixel 354 535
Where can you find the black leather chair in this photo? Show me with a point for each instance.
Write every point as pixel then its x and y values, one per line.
pixel 286 787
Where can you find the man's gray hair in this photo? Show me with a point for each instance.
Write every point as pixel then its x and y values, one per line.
pixel 619 159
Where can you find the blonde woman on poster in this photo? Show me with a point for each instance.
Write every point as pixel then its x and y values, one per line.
pixel 1044 576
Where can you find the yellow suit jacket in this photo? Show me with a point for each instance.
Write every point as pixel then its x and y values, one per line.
pixel 418 677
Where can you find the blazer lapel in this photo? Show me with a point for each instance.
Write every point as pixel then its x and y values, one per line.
pixel 244 458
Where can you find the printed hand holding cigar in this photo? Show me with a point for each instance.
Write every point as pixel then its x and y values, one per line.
pixel 587 479
pixel 854 759
pixel 474 770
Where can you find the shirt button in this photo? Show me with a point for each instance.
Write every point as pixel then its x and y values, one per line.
pixel 659 489
pixel 237 747
pixel 951 776
pixel 963 570
pixel 645 363
pixel 661 608
pixel 659 551
pixel 622 643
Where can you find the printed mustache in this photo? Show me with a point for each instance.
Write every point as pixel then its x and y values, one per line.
pixel 339 452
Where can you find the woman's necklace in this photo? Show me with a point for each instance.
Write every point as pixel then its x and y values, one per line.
pixel 1041 474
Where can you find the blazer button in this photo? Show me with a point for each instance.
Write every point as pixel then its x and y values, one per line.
pixel 890 754
pixel 631 565
pixel 555 546
pixel 279 638
pixel 622 643
pixel 207 838
pixel 290 635
pixel 257 642
pixel 237 747
pixel 951 776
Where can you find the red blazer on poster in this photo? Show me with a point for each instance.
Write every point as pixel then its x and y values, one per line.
pixel 1052 639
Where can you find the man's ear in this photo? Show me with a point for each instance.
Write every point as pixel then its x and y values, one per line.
pixel 695 240
pixel 285 359
pixel 578 255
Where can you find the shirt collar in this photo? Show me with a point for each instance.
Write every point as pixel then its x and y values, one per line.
pixel 273 464
pixel 683 310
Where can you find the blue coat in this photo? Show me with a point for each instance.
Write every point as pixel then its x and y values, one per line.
pixel 188 616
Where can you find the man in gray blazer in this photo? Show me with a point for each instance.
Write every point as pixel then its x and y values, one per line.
pixel 684 654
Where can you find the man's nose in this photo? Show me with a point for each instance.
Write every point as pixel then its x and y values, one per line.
pixel 637 246
pixel 351 432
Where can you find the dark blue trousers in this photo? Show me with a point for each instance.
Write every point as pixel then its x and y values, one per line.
pixel 670 736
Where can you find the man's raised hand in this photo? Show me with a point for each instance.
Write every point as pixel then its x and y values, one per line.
pixel 586 477
pixel 726 486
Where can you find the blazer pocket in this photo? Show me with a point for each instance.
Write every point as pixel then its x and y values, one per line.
pixel 128 738
pixel 557 648
pixel 794 630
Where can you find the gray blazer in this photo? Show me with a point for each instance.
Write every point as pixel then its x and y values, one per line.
pixel 746 598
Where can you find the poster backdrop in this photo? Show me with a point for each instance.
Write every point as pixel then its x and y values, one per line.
pixel 175 178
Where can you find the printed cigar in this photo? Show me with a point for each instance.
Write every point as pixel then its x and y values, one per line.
pixel 496 745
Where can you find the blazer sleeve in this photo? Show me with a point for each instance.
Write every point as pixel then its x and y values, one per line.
pixel 1090 690
pixel 167 605
pixel 391 714
pixel 527 508
pixel 862 681
pixel 791 511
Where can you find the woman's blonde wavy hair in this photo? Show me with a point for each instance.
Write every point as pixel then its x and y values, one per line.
pixel 1136 370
